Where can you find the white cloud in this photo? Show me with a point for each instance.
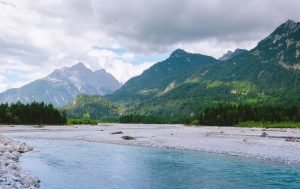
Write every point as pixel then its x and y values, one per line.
pixel 38 37
pixel 5 84
pixel 156 26
pixel 214 47
pixel 117 64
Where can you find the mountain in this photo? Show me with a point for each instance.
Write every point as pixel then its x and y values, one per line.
pixel 164 76
pixel 95 106
pixel 231 54
pixel 61 86
pixel 186 83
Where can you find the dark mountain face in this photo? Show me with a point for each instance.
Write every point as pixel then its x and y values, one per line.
pixel 186 83
pixel 164 75
pixel 61 86
pixel 281 46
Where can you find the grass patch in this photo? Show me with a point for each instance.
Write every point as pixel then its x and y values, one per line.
pixel 267 124
pixel 82 122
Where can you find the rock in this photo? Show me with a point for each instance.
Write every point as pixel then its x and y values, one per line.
pixel 117 133
pixel 28 181
pixel 11 174
pixel 128 137
pixel 263 134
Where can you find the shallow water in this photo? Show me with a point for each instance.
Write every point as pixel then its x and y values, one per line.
pixel 79 165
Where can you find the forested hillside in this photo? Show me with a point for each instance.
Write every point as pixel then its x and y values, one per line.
pixel 93 107
pixel 186 83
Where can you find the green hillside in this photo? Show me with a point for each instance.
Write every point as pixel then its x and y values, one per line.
pixel 186 83
pixel 93 106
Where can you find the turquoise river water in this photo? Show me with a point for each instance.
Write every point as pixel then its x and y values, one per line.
pixel 78 165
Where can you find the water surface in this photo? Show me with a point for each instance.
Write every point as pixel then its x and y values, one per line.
pixel 78 165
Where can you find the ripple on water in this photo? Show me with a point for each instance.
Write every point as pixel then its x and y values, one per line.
pixel 79 164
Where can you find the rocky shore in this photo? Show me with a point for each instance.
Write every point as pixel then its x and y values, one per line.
pixel 11 174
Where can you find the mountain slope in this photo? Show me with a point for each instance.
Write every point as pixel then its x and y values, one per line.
pixel 61 86
pixel 267 74
pixel 164 76
pixel 95 106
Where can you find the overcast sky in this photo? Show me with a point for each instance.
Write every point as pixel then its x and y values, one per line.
pixel 126 36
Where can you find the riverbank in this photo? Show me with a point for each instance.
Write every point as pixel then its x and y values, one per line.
pixel 11 174
pixel 270 144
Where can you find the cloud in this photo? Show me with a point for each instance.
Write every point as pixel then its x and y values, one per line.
pixel 151 26
pixel 38 37
pixel 117 64
pixel 7 84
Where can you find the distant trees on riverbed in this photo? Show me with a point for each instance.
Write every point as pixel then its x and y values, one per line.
pixel 226 115
pixel 234 114
pixel 34 113
pixel 153 119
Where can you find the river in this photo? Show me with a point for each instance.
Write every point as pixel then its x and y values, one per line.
pixel 62 164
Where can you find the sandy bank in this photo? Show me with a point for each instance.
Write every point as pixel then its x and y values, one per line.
pixel 11 174
pixel 271 144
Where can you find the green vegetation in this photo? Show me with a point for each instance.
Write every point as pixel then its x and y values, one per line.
pixel 247 115
pixel 153 119
pixel 82 122
pixel 268 124
pixel 258 85
pixel 34 113
pixel 87 120
pixel 97 107
pixel 186 83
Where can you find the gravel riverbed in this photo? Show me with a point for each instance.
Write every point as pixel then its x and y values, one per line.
pixel 281 145
pixel 11 174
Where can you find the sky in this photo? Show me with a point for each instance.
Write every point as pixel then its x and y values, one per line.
pixel 125 37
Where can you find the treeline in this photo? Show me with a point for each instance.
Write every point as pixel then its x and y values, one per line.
pixel 225 115
pixel 34 113
pixel 153 119
pixel 230 115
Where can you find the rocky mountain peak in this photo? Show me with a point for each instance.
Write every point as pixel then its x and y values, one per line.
pixel 178 53
pixel 62 85
pixel 79 65
pixel 231 54
pixel 290 24
pixel 287 28
pixel 282 46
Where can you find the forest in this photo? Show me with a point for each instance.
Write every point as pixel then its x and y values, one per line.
pixel 228 115
pixel 29 114
pixel 153 119
pixel 221 115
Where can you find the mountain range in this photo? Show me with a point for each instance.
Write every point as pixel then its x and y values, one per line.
pixel 186 83
pixel 62 85
pixel 183 84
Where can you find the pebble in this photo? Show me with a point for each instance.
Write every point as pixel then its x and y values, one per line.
pixel 11 174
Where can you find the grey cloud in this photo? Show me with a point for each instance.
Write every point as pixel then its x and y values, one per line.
pixel 22 52
pixel 142 26
pixel 156 25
